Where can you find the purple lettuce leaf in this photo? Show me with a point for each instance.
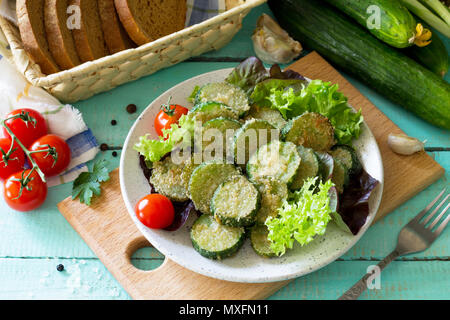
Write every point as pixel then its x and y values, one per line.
pixel 354 202
pixel 248 74
pixel 251 71
pixel 276 73
pixel 146 171
pixel 182 212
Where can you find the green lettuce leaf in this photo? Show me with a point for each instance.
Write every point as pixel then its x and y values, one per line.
pixel 262 94
pixel 321 97
pixel 193 95
pixel 304 215
pixel 154 149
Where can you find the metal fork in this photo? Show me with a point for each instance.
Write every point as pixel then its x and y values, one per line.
pixel 416 236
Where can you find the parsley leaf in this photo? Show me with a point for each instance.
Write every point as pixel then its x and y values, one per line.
pixel 88 183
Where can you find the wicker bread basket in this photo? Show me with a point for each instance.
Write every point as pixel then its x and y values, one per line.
pixel 101 75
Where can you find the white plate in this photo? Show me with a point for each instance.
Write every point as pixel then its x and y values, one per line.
pixel 245 266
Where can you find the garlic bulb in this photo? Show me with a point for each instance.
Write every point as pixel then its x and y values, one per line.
pixel 404 145
pixel 272 44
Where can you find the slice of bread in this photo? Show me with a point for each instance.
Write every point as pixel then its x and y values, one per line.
pixel 89 40
pixel 30 16
pixel 116 37
pixel 148 20
pixel 60 39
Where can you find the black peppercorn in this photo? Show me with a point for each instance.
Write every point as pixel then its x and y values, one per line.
pixel 113 122
pixel 104 147
pixel 114 154
pixel 131 108
pixel 60 267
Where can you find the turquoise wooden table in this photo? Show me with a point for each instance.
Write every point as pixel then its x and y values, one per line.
pixel 33 244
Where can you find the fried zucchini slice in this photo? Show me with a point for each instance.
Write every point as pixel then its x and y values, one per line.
pixel 227 128
pixel 236 202
pixel 270 115
pixel 259 241
pixel 340 176
pixel 273 192
pixel 252 135
pixel 309 167
pixel 172 180
pixel 311 130
pixel 347 155
pixel 225 93
pixel 276 159
pixel 214 240
pixel 210 110
pixel 204 181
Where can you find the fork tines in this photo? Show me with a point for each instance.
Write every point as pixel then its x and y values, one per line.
pixel 432 215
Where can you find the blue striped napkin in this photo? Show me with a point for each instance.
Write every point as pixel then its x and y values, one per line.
pixel 201 10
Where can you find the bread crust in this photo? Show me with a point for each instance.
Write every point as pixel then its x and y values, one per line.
pixel 129 23
pixel 116 37
pixel 60 39
pixel 34 44
pixel 89 39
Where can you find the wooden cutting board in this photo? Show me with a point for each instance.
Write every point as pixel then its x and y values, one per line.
pixel 112 235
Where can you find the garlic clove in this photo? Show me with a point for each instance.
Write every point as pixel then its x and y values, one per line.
pixel 404 145
pixel 272 44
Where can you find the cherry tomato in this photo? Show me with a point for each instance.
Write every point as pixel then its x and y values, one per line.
pixel 169 114
pixel 45 161
pixel 26 132
pixel 14 163
pixel 33 195
pixel 155 211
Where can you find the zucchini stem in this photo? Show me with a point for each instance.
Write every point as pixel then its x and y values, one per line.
pixel 439 8
pixel 422 12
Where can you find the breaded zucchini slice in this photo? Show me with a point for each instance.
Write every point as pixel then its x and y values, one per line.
pixel 310 130
pixel 172 180
pixel 226 93
pixel 260 242
pixel 227 128
pixel 206 111
pixel 270 115
pixel 340 175
pixel 276 159
pixel 309 167
pixel 273 193
pixel 204 181
pixel 347 155
pixel 251 136
pixel 236 202
pixel 214 240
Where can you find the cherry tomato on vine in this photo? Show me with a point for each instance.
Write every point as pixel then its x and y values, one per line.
pixel 155 211
pixel 28 197
pixel 26 131
pixel 54 162
pixel 169 114
pixel 12 163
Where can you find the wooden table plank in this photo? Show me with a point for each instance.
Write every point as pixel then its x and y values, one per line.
pixel 89 279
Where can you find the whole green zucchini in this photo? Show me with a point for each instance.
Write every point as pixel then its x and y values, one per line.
pixel 394 25
pixel 433 56
pixel 357 52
